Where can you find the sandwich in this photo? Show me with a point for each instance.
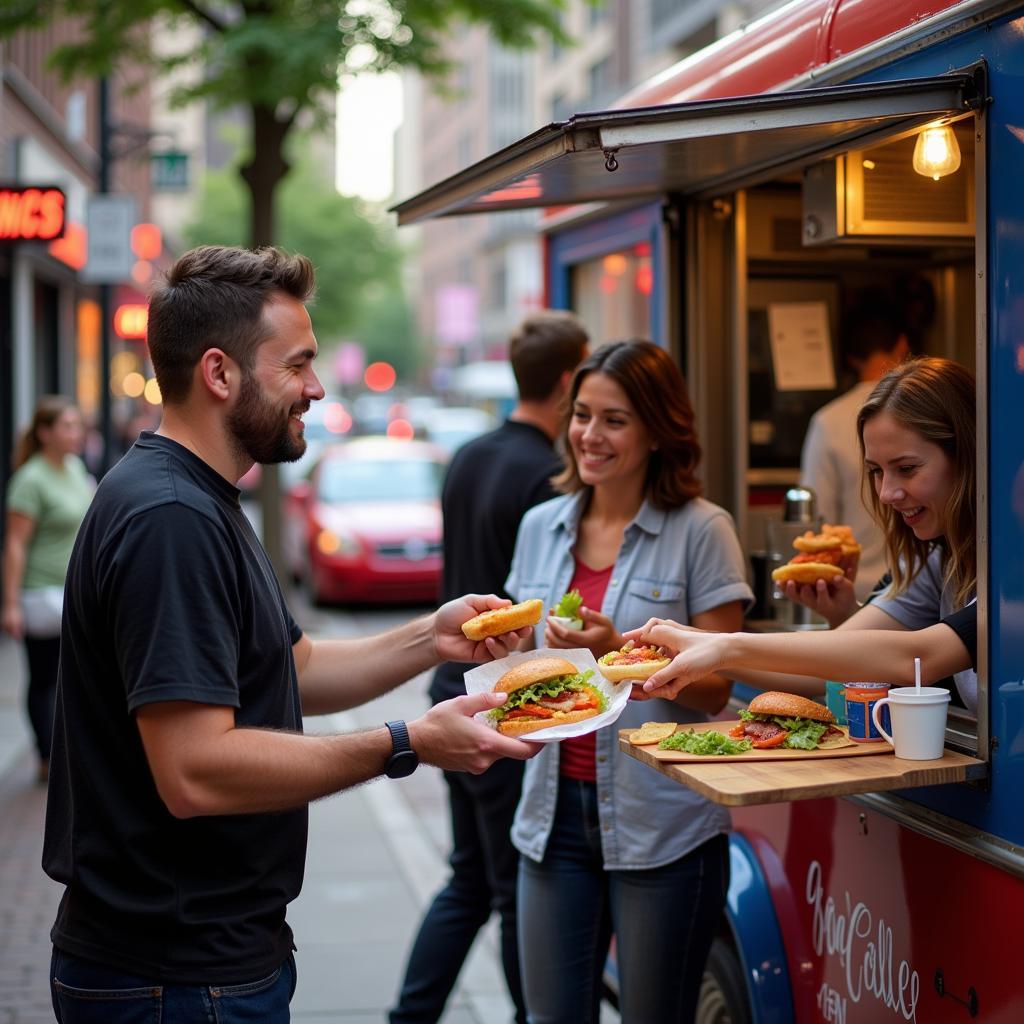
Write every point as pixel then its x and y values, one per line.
pixel 637 662
pixel 544 692
pixel 775 719
pixel 821 556
pixel 503 620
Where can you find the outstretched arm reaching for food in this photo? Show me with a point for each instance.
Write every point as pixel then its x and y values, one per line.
pixel 844 655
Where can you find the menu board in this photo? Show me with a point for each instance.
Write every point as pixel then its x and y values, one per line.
pixel 801 346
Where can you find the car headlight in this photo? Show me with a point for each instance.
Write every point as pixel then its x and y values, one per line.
pixel 345 544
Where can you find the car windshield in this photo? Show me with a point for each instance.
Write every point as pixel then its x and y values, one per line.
pixel 344 481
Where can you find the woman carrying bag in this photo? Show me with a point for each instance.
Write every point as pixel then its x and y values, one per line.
pixel 47 497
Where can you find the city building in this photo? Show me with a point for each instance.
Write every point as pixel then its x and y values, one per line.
pixel 475 277
pixel 49 138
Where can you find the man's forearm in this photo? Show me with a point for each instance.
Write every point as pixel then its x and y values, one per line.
pixel 342 674
pixel 251 771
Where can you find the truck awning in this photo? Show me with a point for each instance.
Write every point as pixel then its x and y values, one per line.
pixel 697 148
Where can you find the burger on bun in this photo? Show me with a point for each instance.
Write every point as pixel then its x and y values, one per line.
pixel 775 719
pixel 544 692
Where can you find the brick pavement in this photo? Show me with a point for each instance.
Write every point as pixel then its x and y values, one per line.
pixel 28 899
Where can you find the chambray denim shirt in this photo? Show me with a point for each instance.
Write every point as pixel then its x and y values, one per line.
pixel 672 565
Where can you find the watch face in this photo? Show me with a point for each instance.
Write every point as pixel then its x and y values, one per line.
pixel 401 764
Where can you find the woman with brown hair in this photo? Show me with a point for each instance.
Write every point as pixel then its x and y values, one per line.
pixel 917 435
pixel 47 496
pixel 608 845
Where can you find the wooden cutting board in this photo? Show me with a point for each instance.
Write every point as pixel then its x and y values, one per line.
pixel 741 781
pixel 852 749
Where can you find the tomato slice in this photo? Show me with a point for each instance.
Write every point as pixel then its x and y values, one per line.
pixel 583 705
pixel 736 730
pixel 530 711
pixel 772 741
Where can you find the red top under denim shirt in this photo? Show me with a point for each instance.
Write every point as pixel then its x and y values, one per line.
pixel 577 755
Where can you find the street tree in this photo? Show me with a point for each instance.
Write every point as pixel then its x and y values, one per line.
pixel 352 244
pixel 280 59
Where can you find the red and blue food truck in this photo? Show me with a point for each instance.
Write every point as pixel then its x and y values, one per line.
pixel 777 166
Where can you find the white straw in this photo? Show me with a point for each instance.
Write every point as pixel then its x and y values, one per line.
pixel 917 675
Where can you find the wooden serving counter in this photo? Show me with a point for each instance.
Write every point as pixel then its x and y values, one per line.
pixel 739 783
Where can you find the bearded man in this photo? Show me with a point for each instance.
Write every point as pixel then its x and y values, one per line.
pixel 180 775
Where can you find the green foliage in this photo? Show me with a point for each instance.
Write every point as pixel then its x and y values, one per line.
pixel 353 247
pixel 284 55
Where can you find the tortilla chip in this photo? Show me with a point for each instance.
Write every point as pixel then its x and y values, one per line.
pixel 651 732
pixel 838 740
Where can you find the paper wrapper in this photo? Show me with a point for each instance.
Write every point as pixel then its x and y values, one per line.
pixel 483 678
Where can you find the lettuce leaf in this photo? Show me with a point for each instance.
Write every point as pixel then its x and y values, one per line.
pixel 551 688
pixel 804 733
pixel 569 606
pixel 711 742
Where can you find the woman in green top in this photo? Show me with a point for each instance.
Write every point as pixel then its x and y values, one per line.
pixel 47 496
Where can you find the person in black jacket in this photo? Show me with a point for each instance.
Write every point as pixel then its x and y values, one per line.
pixel 490 485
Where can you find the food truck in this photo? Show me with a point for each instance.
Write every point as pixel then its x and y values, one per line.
pixel 751 190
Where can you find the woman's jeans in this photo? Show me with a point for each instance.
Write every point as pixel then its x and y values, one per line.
pixel 88 993
pixel 664 920
pixel 43 660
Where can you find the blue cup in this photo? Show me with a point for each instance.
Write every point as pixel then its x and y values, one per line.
pixel 835 700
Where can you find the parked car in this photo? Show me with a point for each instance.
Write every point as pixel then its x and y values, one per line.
pixel 366 524
pixel 450 427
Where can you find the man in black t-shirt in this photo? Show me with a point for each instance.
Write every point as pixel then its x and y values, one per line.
pixel 490 485
pixel 180 776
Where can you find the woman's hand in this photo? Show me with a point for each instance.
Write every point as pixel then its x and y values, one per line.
pixel 835 601
pixel 12 620
pixel 598 633
pixel 697 654
pixel 451 644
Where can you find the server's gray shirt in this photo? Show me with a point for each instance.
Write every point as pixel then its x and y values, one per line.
pixel 925 602
pixel 671 565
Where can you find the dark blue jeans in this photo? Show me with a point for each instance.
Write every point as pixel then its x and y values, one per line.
pixel 88 993
pixel 43 660
pixel 483 879
pixel 664 920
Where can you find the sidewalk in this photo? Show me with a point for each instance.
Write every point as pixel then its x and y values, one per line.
pixel 376 855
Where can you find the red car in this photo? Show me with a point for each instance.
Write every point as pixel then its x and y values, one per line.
pixel 366 524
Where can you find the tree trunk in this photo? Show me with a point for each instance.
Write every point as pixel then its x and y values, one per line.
pixel 262 174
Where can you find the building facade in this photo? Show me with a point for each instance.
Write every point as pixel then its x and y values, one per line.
pixel 49 136
pixel 475 277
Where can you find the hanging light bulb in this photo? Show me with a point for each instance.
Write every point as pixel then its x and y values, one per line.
pixel 936 152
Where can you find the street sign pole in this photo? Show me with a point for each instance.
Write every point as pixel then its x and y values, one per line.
pixel 106 418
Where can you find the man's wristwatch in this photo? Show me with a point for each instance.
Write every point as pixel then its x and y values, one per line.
pixel 403 760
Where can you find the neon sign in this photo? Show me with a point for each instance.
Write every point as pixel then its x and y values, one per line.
pixel 31 213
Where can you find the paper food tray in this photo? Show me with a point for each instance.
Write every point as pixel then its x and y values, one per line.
pixel 483 678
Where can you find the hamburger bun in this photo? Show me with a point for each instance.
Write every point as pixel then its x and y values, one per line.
pixel 806 572
pixel 789 705
pixel 519 726
pixel 504 620
pixel 536 670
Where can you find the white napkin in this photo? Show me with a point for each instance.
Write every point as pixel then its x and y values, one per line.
pixel 483 678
